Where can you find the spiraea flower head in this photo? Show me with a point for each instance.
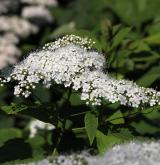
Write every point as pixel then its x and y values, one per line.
pixel 71 62
pixel 133 153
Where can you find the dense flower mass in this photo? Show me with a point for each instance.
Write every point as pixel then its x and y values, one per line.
pixel 74 159
pixel 133 153
pixel 71 62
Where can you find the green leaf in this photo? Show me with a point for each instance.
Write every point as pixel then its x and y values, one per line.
pixel 8 134
pixel 150 77
pixel 37 146
pixel 91 125
pixel 14 150
pixel 135 12
pixel 120 37
pixel 104 142
pixel 139 45
pixel 6 122
pixel 13 108
pixel 153 39
pixel 143 128
pixel 33 151
pixel 116 118
pixel 154 28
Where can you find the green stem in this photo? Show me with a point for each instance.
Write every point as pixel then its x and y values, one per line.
pixel 78 114
pixel 37 98
pixel 63 121
pixel 127 116
pixel 80 128
pixel 55 151
pixel 69 93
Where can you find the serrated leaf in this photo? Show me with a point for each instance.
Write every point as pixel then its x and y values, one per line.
pixel 91 125
pixel 13 109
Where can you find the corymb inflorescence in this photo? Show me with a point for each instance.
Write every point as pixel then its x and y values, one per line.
pixel 71 61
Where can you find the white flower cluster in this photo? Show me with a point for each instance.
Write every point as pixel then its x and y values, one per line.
pixel 37 14
pixel 73 159
pixel 70 61
pixel 13 29
pixel 47 3
pixel 38 11
pixel 21 18
pixel 133 153
pixel 16 25
pixel 8 50
pixel 36 125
